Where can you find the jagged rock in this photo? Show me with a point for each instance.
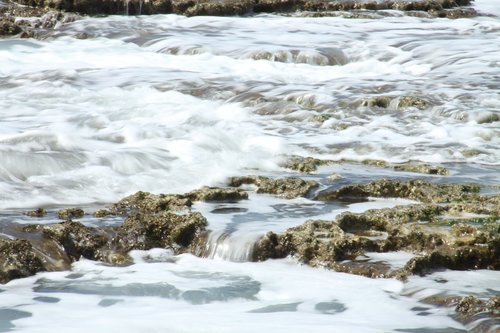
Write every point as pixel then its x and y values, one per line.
pixel 217 194
pixel 420 190
pixel 39 212
pixel 77 239
pixel 213 8
pixel 402 102
pixel 8 26
pixel 439 8
pixel 305 164
pixel 462 258
pixel 70 213
pixel 18 259
pixel 165 229
pixel 422 168
pixel 285 187
pixel 146 202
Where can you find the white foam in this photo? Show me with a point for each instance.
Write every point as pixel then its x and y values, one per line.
pixel 193 295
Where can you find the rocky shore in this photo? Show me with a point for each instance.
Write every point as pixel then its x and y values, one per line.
pixel 30 18
pixel 453 226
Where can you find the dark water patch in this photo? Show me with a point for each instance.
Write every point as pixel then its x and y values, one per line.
pixel 228 210
pixel 235 286
pixel 9 315
pixel 47 299
pixel 163 290
pixel 332 307
pixel 288 307
pixel 109 302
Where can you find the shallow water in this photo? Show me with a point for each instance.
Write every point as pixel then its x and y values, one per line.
pixel 167 104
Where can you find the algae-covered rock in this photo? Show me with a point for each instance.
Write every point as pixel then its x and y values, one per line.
pixel 77 239
pixel 394 102
pixel 305 164
pixel 70 213
pixel 18 259
pixel 284 187
pixel 8 26
pixel 165 229
pixel 213 8
pixel 422 168
pixel 39 212
pixel 420 190
pixel 217 194
pixel 146 202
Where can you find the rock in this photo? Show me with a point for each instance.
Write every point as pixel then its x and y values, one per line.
pixel 285 187
pixel 8 26
pixel 420 190
pixel 305 164
pixel 146 202
pixel 165 229
pixel 422 168
pixel 462 258
pixel 213 8
pixel 102 213
pixel 439 8
pixel 70 213
pixel 106 7
pixel 77 239
pixel 18 259
pixel 401 102
pixel 217 194
pixel 39 212
pixel 377 163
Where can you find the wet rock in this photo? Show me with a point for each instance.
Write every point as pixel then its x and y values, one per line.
pixel 70 213
pixel 18 259
pixel 213 8
pixel 402 102
pixel 377 163
pixel 165 229
pixel 39 212
pixel 8 26
pixel 102 213
pixel 77 239
pixel 106 7
pixel 217 194
pixel 379 102
pixel 454 13
pixel 420 190
pixel 146 202
pixel 462 258
pixel 285 187
pixel 422 168
pixel 305 164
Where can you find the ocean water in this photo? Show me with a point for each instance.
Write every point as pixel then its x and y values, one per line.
pixel 103 107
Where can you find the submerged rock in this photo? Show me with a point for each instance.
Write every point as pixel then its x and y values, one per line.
pixel 284 187
pixel 402 102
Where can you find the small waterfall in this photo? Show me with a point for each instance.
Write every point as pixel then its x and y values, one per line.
pixel 235 247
